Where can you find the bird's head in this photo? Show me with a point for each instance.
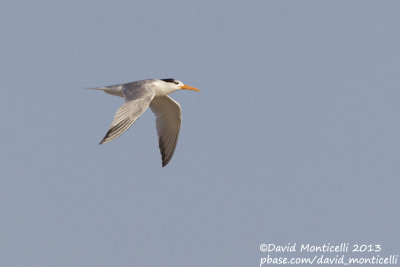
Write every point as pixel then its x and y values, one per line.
pixel 175 85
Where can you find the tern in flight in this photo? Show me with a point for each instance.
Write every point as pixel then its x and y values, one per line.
pixel 139 95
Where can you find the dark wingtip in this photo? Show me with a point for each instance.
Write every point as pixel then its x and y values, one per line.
pixel 103 140
pixel 165 161
pixel 106 136
pixel 162 150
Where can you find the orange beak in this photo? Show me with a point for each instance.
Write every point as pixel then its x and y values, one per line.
pixel 187 87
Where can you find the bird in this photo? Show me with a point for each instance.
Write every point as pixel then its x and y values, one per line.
pixel 139 95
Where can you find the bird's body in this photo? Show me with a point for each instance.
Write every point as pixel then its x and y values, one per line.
pixel 139 95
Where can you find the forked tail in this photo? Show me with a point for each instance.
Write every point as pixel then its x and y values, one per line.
pixel 112 90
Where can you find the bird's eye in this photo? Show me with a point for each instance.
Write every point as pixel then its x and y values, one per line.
pixel 176 82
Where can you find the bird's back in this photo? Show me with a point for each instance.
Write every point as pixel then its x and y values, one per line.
pixel 137 89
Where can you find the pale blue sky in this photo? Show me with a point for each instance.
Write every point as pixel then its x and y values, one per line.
pixel 294 137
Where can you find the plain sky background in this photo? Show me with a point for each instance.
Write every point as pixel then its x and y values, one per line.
pixel 295 136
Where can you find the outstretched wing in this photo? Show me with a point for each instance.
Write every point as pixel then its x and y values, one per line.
pixel 168 122
pixel 137 100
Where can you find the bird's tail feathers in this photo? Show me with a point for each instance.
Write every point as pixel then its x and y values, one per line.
pixel 112 90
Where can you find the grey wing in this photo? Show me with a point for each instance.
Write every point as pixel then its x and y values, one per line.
pixel 168 122
pixel 137 100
